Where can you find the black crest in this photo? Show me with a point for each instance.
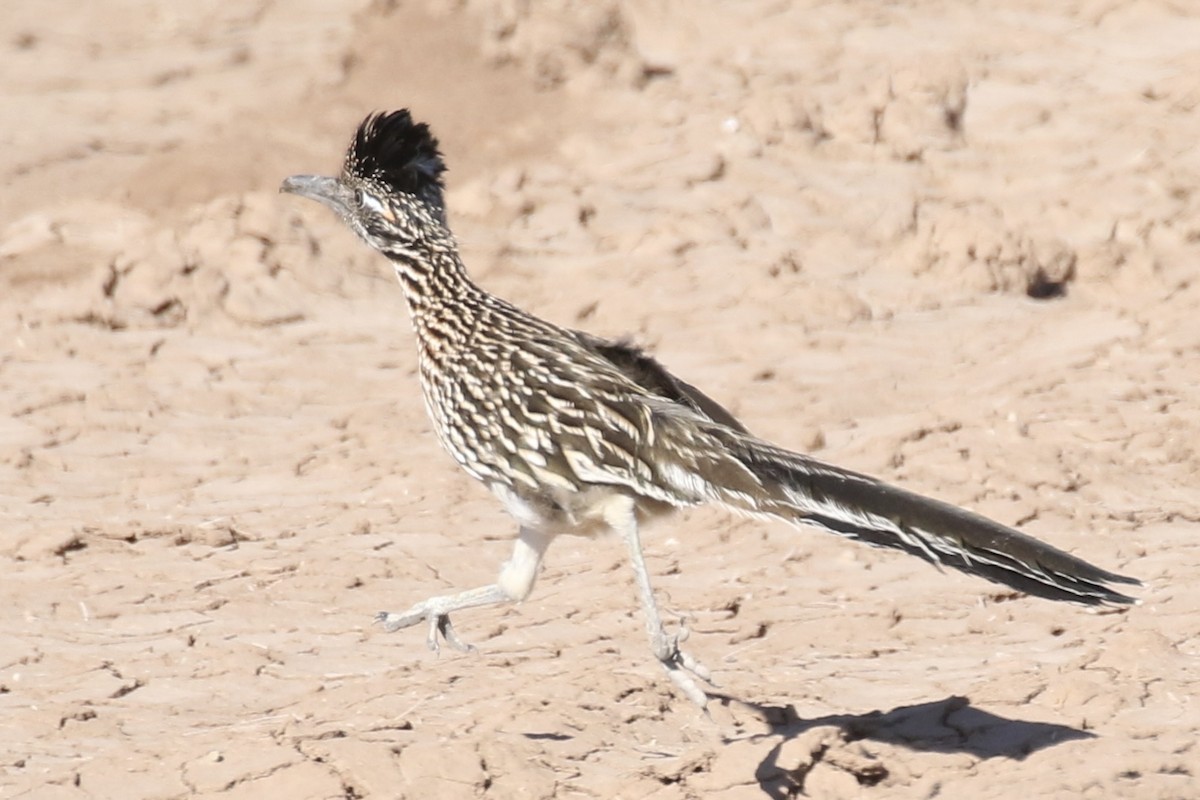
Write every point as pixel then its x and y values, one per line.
pixel 392 150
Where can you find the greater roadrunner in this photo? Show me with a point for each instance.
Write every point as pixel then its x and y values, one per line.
pixel 578 434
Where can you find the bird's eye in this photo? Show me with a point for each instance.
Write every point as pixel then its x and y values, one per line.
pixel 368 202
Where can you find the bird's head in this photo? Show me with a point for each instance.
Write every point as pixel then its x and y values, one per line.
pixel 390 189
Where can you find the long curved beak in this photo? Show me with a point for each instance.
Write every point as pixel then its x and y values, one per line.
pixel 327 191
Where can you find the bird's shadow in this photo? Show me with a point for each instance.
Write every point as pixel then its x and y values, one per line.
pixel 951 725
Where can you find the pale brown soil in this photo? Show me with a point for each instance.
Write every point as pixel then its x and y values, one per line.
pixel 215 466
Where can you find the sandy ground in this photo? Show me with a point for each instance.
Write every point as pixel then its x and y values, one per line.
pixel 955 246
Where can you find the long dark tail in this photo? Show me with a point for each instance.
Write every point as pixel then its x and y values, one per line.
pixel 801 489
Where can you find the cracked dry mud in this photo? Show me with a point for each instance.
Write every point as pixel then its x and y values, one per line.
pixel 954 248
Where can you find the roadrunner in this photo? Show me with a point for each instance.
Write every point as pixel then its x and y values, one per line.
pixel 578 434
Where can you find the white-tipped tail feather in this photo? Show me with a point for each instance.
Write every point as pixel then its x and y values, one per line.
pixel 740 471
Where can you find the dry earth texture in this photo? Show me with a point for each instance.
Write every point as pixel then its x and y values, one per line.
pixel 951 244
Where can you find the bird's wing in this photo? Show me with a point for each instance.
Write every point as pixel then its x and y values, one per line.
pixel 645 371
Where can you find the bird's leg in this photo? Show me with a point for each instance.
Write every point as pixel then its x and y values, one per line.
pixel 680 666
pixel 513 585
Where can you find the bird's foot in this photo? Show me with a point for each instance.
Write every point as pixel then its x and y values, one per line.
pixel 681 667
pixel 436 613
pixel 432 613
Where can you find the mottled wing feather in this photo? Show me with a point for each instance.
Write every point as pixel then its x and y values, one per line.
pixel 570 433
pixel 652 376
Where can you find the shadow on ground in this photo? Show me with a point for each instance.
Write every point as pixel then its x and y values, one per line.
pixel 947 726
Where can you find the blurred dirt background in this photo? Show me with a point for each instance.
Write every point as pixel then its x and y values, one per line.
pixel 951 244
